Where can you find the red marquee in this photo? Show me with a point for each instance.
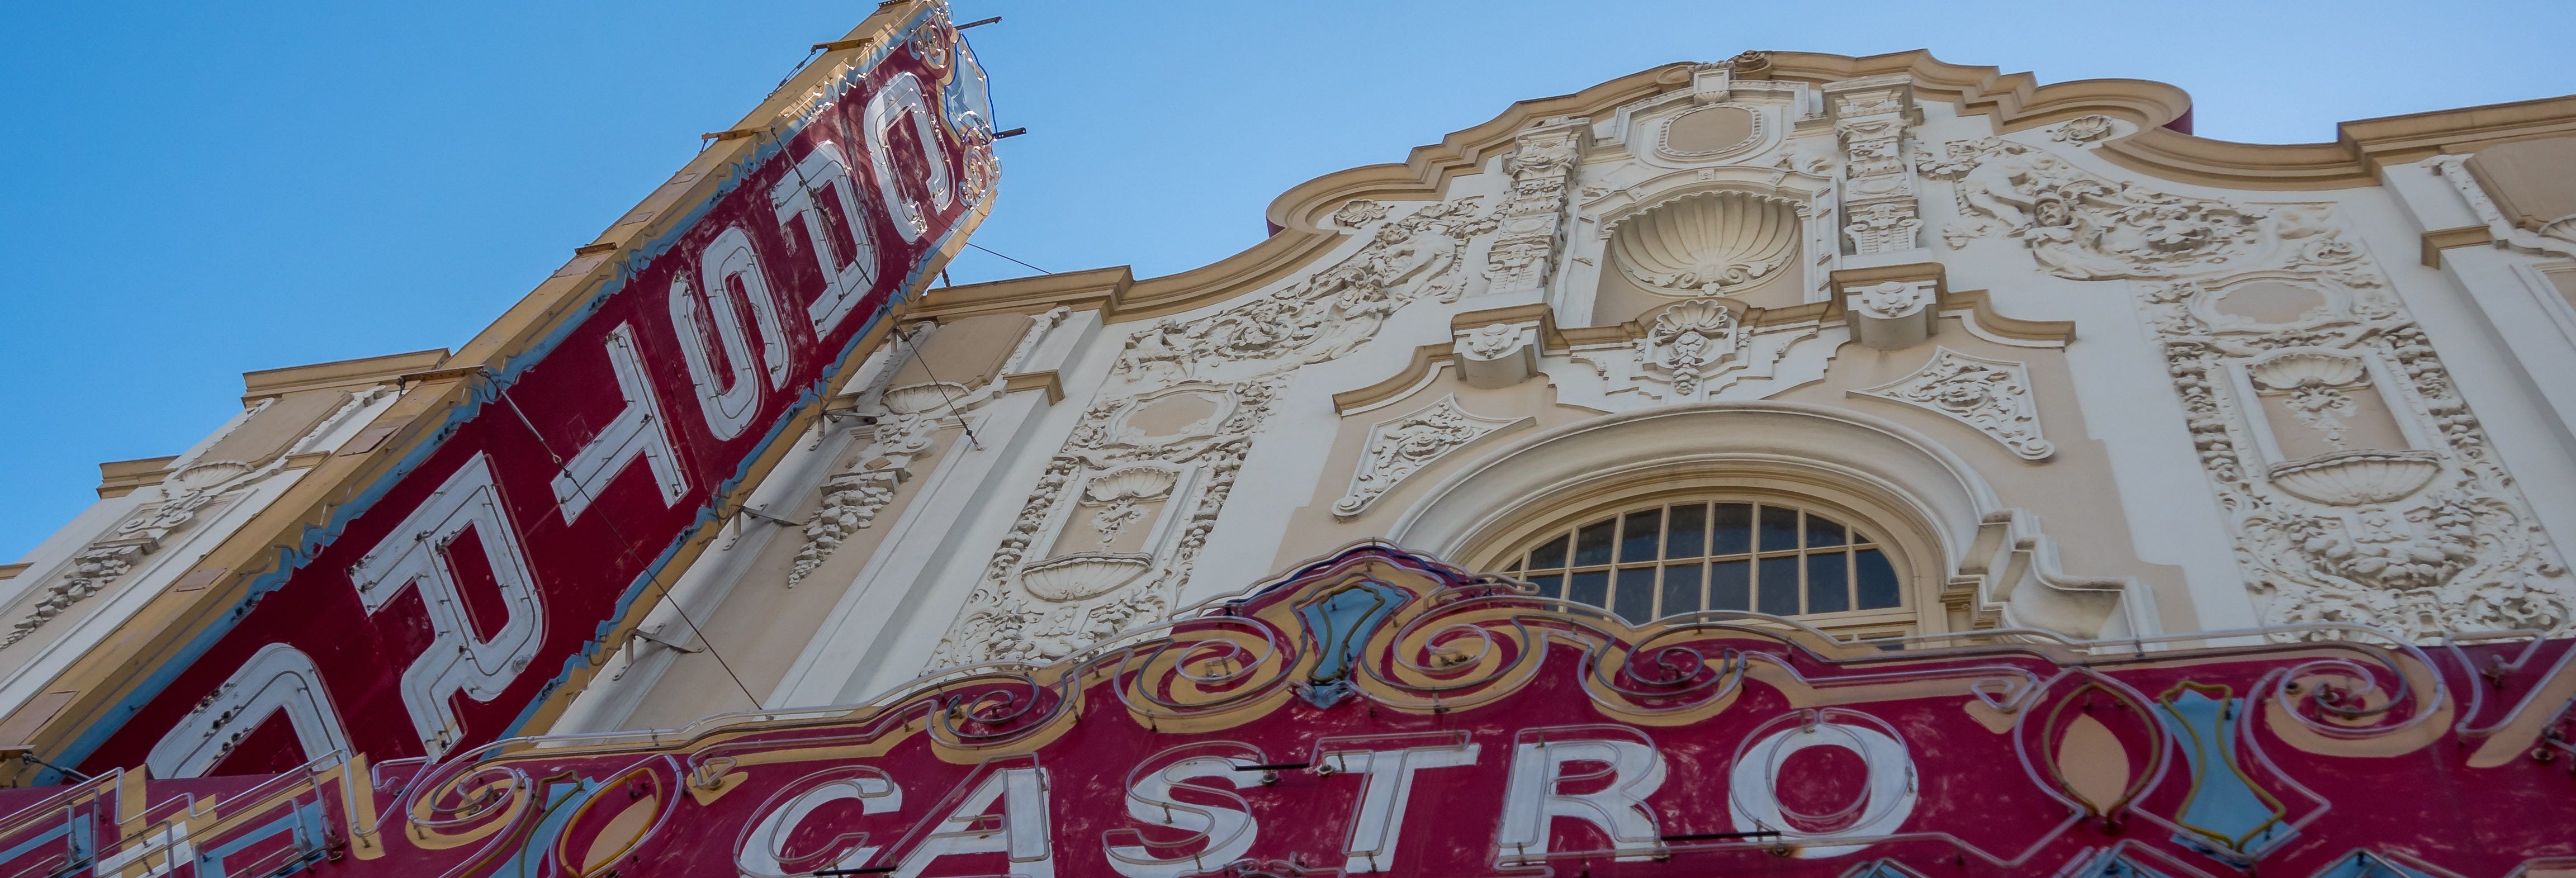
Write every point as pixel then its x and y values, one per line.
pixel 1378 712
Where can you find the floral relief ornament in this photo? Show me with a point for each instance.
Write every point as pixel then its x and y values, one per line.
pixel 2083 130
pixel 1359 212
pixel 1245 352
pixel 100 564
pixel 2083 227
pixel 1492 340
pixel 2343 540
pixel 1989 396
pixel 907 420
pixel 1403 446
pixel 1686 339
pixel 1892 299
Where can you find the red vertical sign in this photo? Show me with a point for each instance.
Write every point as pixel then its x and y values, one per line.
pixel 438 611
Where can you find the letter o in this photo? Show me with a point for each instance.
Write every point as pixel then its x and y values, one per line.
pixel 1753 790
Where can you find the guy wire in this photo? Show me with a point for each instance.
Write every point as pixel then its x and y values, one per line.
pixel 655 579
pixel 943 386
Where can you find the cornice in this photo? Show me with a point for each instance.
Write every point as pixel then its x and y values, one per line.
pixel 2015 101
pixel 338 374
pixel 2361 149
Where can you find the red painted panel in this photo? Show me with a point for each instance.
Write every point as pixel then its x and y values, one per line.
pixel 1540 739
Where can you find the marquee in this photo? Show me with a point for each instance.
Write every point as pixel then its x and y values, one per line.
pixel 1377 712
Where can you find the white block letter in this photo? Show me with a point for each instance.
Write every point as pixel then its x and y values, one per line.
pixel 637 431
pixel 416 553
pixel 730 260
pixel 1228 832
pixel 1754 795
pixel 276 678
pixel 1377 823
pixel 902 97
pixel 1021 832
pixel 847 277
pixel 729 400
pixel 1531 801
pixel 756 855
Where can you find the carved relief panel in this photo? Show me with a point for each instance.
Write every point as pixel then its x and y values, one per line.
pixel 1990 396
pixel 909 409
pixel 1699 349
pixel 1108 538
pixel 1871 117
pixel 2358 485
pixel 1533 217
pixel 1401 446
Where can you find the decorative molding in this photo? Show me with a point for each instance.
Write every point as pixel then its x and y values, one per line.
pixel 1046 380
pixel 1871 116
pixel 1188 396
pixel 118 478
pixel 2554 239
pixel 2084 130
pixel 1998 555
pixel 189 493
pixel 2357 484
pixel 2438 240
pixel 1498 354
pixel 1706 243
pixel 906 423
pixel 1977 308
pixel 1533 218
pixel 1697 349
pixel 350 375
pixel 1686 340
pixel 2015 102
pixel 1893 315
pixel 1359 212
pixel 1989 396
pixel 1401 446
pixel 1416 373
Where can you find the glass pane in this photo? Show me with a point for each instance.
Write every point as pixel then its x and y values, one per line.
pixel 1734 535
pixel 1681 588
pixel 1779 591
pixel 1589 588
pixel 1515 568
pixel 1823 532
pixel 1635 599
pixel 1548 555
pixel 1688 536
pixel 1729 585
pixel 1639 534
pixel 1549 586
pixel 1592 543
pixel 1779 528
pixel 1878 588
pixel 1828 586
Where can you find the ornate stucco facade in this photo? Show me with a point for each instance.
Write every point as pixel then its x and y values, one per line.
pixel 2064 367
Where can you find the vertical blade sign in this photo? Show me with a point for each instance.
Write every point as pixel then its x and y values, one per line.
pixel 440 610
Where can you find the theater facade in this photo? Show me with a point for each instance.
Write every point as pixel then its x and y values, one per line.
pixel 1795 464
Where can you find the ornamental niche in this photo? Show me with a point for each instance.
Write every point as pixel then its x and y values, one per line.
pixel 1107 540
pixel 2357 484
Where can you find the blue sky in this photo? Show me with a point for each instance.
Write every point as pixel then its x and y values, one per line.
pixel 195 190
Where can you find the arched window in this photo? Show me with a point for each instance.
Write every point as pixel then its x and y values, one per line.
pixel 1651 561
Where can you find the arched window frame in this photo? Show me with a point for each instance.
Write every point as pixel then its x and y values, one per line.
pixel 1921 606
pixel 1672 557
